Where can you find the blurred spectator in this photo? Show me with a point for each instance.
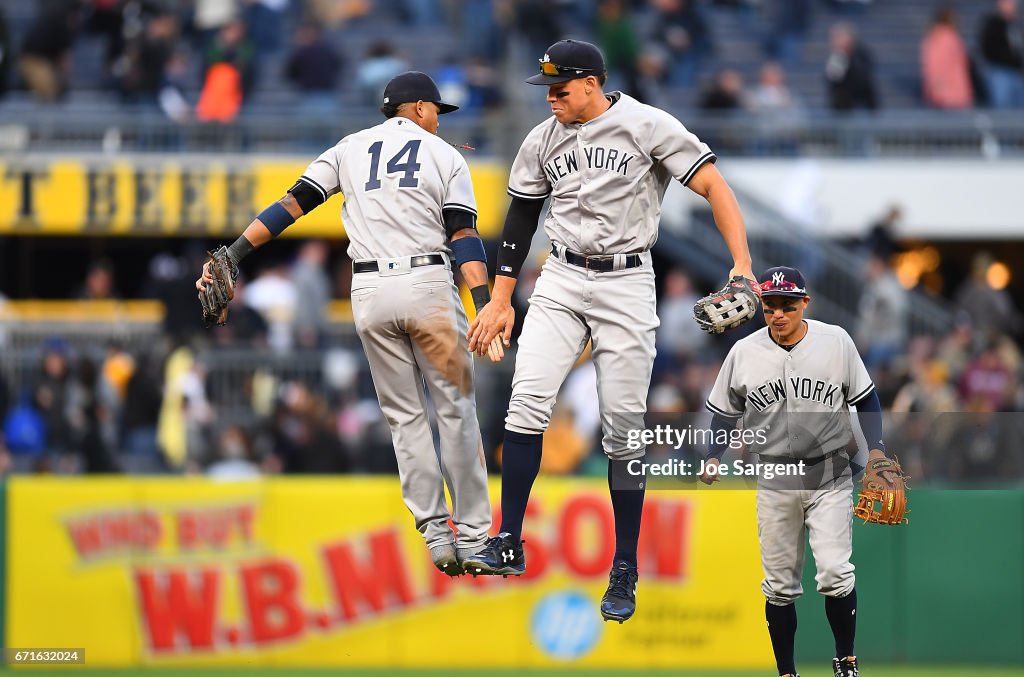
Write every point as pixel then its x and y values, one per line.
pixel 1002 47
pixel 985 446
pixel 265 20
pixel 313 67
pixel 772 97
pixel 681 28
pixel 882 315
pixel 988 382
pixel 6 52
pixel 482 27
pixel 537 22
pixel 90 412
pixel 616 36
pixel 171 97
pixel 651 76
pixel 51 395
pixel 956 348
pixel 46 52
pixel 99 282
pixel 679 339
pixel 881 239
pixel 333 14
pixel 233 47
pixel 421 13
pixel 990 310
pixel 945 65
pixel 725 93
pixel 928 392
pixel 849 71
pixel 380 64
pixel 274 296
pixel 305 435
pixel 143 396
pixel 146 59
pixel 233 456
pixel 313 286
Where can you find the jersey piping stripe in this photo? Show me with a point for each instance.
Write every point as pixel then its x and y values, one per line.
pixel 715 410
pixel 316 185
pixel 704 159
pixel 460 207
pixel 527 196
pixel 863 394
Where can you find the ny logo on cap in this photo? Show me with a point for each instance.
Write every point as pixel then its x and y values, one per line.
pixel 546 59
pixel 778 278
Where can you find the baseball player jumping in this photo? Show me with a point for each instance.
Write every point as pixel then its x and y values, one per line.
pixel 605 160
pixel 795 380
pixel 409 211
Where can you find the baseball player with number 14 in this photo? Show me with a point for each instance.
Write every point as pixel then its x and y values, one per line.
pixel 409 213
pixel 795 381
pixel 605 160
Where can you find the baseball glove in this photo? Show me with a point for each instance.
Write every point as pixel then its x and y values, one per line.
pixel 217 294
pixel 891 497
pixel 728 307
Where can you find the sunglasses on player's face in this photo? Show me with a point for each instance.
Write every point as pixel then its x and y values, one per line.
pixel 548 68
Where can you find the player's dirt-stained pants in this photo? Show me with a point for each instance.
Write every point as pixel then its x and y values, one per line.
pixel 569 306
pixel 413 329
pixel 821 501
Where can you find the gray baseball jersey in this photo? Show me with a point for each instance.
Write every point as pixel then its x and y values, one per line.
pixel 800 398
pixel 396 178
pixel 607 177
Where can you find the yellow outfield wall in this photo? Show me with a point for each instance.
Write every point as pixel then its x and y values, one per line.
pixel 331 572
pixel 181 195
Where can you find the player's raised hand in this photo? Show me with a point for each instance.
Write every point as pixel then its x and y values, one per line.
pixel 747 271
pixel 495 320
pixel 710 474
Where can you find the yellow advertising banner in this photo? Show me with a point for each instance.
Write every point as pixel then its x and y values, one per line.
pixel 331 572
pixel 180 195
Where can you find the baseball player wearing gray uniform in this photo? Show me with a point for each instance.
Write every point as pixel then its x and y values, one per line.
pixel 409 210
pixel 605 161
pixel 795 381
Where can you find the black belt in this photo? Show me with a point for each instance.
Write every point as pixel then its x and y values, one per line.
pixel 370 266
pixel 601 264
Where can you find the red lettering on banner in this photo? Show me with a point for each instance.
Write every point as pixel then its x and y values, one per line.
pixel 214 528
pixel 579 512
pixel 384 576
pixel 271 592
pixel 664 535
pixel 179 602
pixel 114 533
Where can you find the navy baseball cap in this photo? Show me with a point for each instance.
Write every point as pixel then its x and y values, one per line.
pixel 783 281
pixel 413 86
pixel 568 60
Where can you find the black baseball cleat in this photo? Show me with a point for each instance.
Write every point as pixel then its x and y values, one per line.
pixel 619 601
pixel 500 556
pixel 845 667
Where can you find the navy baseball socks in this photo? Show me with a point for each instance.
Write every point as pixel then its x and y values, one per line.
pixel 627 495
pixel 842 616
pixel 520 463
pixel 782 629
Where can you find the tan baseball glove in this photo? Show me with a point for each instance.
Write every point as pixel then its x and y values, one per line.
pixel 884 484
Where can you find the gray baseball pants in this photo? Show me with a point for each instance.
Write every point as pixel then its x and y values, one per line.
pixel 413 328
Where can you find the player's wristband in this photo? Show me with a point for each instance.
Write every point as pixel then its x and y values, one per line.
pixel 481 296
pixel 276 218
pixel 467 249
pixel 239 249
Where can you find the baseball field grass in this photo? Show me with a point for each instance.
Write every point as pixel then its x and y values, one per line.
pixel 873 671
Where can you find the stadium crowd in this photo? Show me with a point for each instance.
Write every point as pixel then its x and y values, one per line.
pixel 203 59
pixel 280 390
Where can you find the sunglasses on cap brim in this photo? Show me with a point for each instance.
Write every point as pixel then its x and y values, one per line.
pixel 548 68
